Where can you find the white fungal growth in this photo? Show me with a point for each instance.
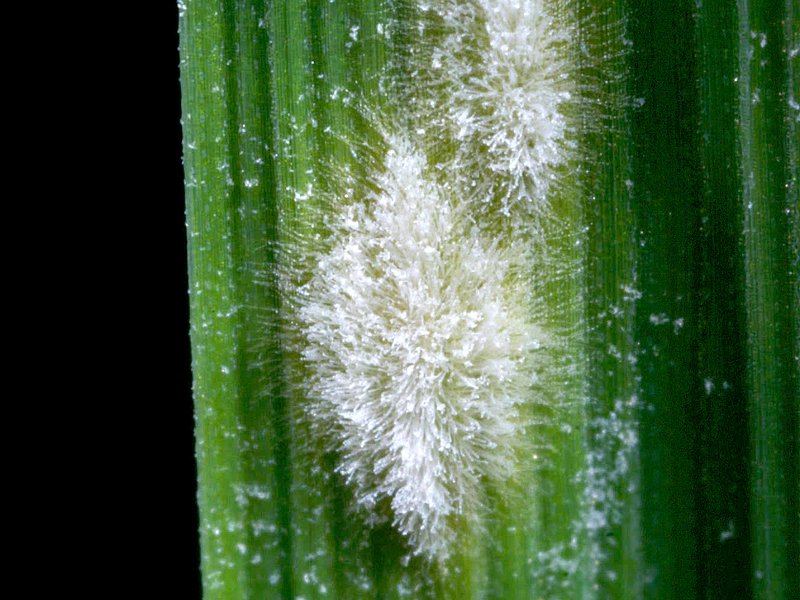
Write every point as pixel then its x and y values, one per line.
pixel 414 317
pixel 509 97
pixel 419 345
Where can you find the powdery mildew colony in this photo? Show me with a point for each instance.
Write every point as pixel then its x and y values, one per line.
pixel 507 107
pixel 415 322
pixel 418 332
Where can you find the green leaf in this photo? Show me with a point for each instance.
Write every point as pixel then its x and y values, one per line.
pixel 667 434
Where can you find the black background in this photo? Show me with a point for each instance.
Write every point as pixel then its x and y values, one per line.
pixel 98 400
pixel 178 554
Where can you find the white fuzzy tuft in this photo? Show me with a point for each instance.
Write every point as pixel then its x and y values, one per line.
pixel 415 323
pixel 509 94
pixel 419 346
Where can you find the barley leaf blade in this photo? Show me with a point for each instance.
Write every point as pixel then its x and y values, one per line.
pixel 652 236
pixel 768 89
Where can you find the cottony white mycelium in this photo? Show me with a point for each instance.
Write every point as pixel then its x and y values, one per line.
pixel 506 67
pixel 414 315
